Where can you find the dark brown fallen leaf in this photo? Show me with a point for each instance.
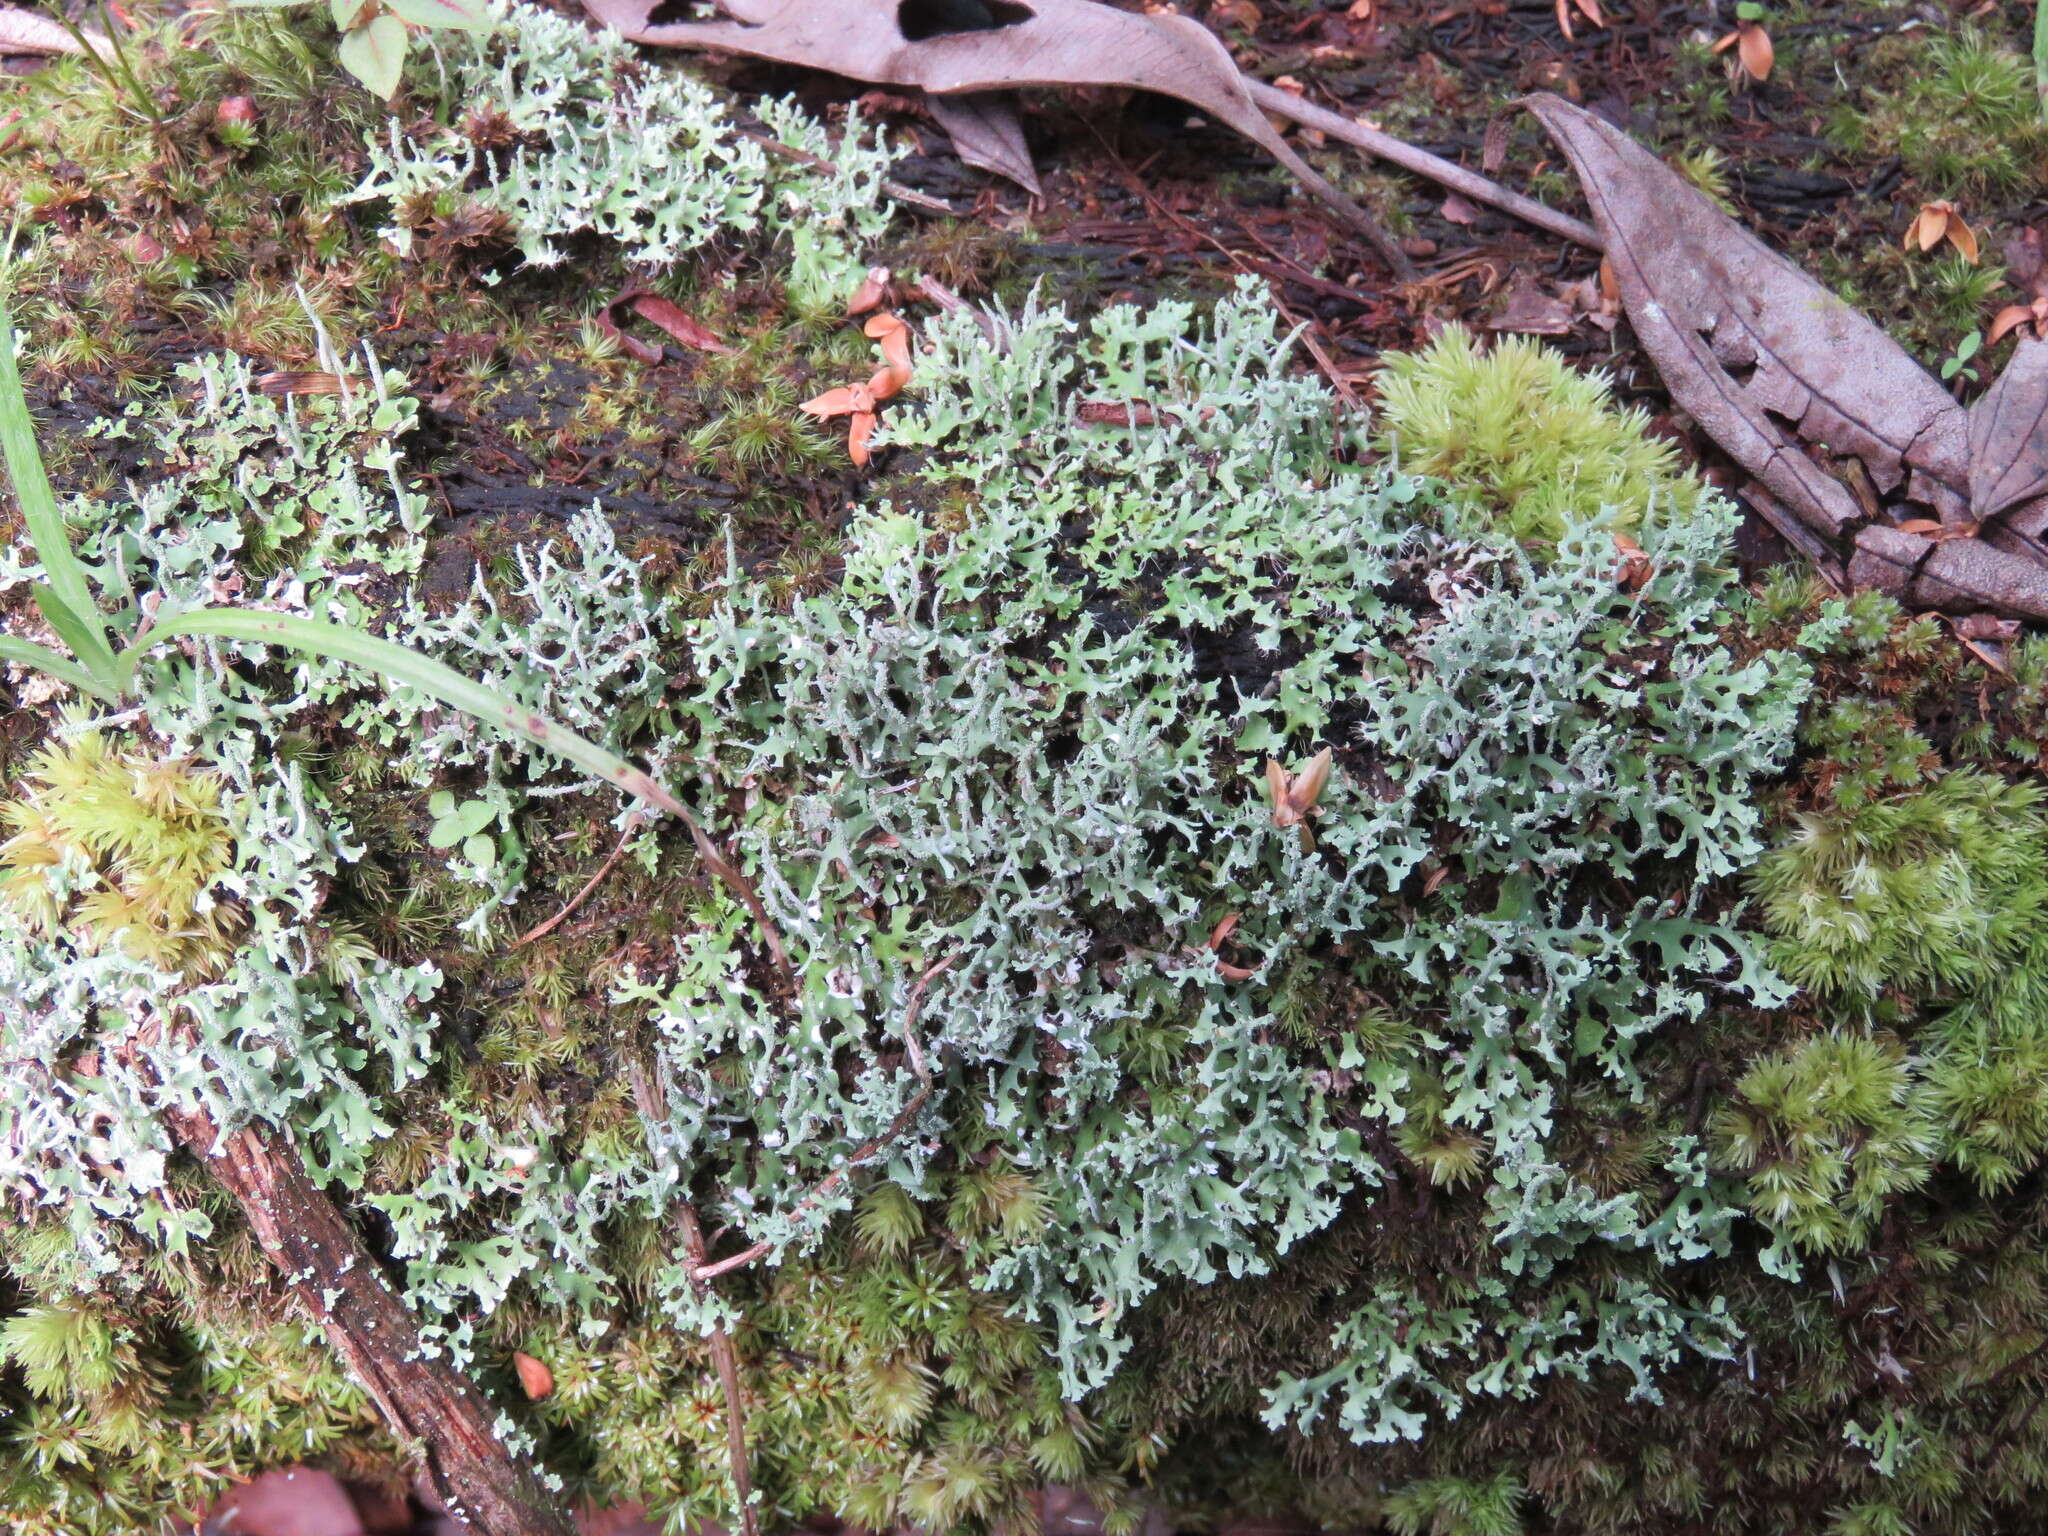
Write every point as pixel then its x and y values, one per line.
pixel 987 135
pixel 2009 434
pixel 1958 576
pixel 1048 42
pixel 1982 626
pixel 1747 344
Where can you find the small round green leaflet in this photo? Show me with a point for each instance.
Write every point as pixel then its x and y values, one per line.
pixel 375 54
pixel 461 15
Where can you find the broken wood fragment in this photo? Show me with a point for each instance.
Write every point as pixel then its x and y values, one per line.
pixel 432 1408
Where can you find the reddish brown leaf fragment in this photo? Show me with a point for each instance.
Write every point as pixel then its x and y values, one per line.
pixel 1755 50
pixel 656 310
pixel 1938 221
pixel 535 1379
pixel 1295 794
pixel 858 432
pixel 843 401
pixel 1752 45
pixel 1633 569
pixel 632 346
pixel 889 333
pixel 871 294
pixel 281 384
pixel 1121 413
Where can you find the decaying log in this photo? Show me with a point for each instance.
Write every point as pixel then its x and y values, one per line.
pixel 433 1409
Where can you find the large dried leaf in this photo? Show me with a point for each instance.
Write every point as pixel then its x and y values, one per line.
pixel 29 32
pixel 2009 435
pixel 1758 352
pixel 1044 42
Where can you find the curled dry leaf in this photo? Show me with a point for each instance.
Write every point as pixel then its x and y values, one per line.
pixel 1045 42
pixel 872 293
pixel 1747 343
pixel 1938 221
pixel 1218 937
pixel 535 1379
pixel 1752 45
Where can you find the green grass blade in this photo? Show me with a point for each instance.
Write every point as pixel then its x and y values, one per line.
pixel 46 531
pixel 2041 55
pixel 396 664
pixel 28 654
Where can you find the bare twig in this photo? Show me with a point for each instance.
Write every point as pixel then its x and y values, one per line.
pixel 912 1050
pixel 542 930
pixel 1444 172
pixel 723 1356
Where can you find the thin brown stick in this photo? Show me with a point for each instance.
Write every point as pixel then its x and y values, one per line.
pixel 542 930
pixel 727 1361
pixel 723 1356
pixel 1480 189
pixel 867 1149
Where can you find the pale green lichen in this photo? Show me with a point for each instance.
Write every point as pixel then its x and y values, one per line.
pixel 586 137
